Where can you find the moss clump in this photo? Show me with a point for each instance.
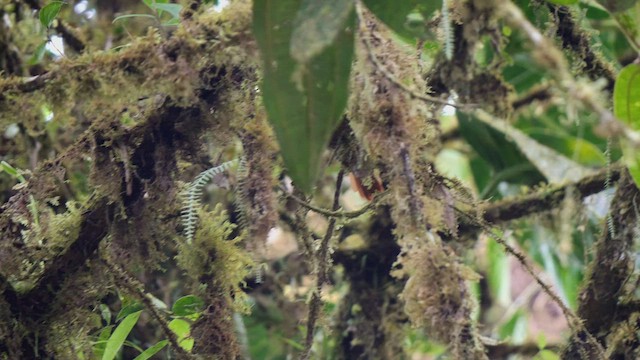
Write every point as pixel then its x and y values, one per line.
pixel 437 298
pixel 215 256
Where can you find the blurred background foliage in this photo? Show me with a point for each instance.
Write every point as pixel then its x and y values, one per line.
pixel 511 307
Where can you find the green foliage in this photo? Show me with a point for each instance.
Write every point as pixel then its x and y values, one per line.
pixel 626 105
pixel 147 354
pixel 49 12
pixel 304 102
pixel 159 7
pixel 182 329
pixel 120 334
pixel 188 305
pixel 216 253
pixel 401 17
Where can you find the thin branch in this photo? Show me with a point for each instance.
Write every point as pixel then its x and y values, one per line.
pixel 69 37
pixel 131 284
pixel 545 200
pixel 337 213
pixel 322 267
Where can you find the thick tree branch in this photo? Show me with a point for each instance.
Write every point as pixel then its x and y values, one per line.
pixel 547 199
pixel 609 270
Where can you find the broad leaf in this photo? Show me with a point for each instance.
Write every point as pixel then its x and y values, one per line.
pixel 316 26
pixel 399 15
pixel 120 335
pixel 626 107
pixel 49 12
pixel 304 102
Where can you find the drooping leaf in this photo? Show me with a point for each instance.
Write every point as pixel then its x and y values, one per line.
pixel 120 335
pixel 626 107
pixel 147 354
pixel 49 12
pixel 304 102
pixel 188 305
pixel 316 26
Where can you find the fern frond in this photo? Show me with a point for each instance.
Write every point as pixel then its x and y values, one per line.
pixel 192 195
pixel 241 198
pixel 447 31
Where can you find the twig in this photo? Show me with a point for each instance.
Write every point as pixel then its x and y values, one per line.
pixel 70 38
pixel 322 267
pixel 337 213
pixel 127 281
pixel 536 202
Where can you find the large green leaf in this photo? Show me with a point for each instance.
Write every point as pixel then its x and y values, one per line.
pixel 626 107
pixel 304 102
pixel 397 15
pixel 316 26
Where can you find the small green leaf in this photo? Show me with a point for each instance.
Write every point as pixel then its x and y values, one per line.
pixel 626 107
pixel 183 330
pixel 6 167
pixel 188 305
pixel 38 54
pixel 120 335
pixel 304 102
pixel 147 354
pixel 316 26
pixel 49 12
pixel 106 313
pixel 626 96
pixel 546 355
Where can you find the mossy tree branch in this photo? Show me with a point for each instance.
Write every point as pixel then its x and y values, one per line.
pixel 611 267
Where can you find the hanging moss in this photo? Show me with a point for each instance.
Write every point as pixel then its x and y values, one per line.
pixel 216 256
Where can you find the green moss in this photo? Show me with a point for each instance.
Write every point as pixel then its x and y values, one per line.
pixel 215 255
